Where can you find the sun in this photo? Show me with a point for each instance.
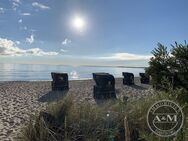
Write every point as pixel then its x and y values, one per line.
pixel 78 23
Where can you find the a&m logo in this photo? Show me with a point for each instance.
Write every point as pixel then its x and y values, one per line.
pixel 165 118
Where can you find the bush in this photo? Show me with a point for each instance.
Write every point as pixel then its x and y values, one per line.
pixel 158 67
pixel 180 63
pixel 169 71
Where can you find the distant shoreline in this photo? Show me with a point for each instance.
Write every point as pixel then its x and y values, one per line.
pixel 112 66
pixel 74 65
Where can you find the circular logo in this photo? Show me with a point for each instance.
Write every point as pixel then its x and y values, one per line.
pixel 165 118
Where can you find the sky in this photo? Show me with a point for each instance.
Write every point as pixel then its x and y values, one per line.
pixel 89 32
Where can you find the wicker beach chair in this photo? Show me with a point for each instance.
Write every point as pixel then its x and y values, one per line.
pixel 128 78
pixel 60 81
pixel 144 79
pixel 105 86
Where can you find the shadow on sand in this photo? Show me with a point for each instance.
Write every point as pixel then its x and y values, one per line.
pixel 53 96
pixel 138 87
pixel 104 101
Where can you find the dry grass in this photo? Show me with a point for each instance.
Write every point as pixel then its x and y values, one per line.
pixel 104 122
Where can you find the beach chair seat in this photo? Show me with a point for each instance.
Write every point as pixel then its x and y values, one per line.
pixel 104 93
pixel 60 81
pixel 128 78
pixel 105 85
pixel 59 86
pixel 144 79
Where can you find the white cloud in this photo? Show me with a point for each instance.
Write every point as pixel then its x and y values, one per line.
pixel 20 21
pixel 39 52
pixel 17 1
pixel 63 50
pixel 2 10
pixel 126 56
pixel 30 39
pixel 25 14
pixel 15 5
pixel 39 5
pixel 17 42
pixel 25 27
pixel 66 41
pixel 33 30
pixel 9 48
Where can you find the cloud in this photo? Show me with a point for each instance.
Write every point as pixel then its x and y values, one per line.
pixel 63 50
pixel 20 21
pixel 15 4
pixel 9 48
pixel 17 1
pixel 30 39
pixel 126 56
pixel 39 5
pixel 17 42
pixel 39 52
pixel 25 14
pixel 66 41
pixel 23 28
pixel 2 10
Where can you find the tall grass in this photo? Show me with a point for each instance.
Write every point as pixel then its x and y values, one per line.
pixel 87 122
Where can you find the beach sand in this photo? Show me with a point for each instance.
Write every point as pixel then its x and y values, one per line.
pixel 20 99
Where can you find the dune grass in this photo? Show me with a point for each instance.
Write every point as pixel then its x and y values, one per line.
pixel 104 122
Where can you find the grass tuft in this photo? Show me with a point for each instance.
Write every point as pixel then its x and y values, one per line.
pixel 88 122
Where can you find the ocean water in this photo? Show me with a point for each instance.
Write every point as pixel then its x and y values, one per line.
pixel 25 72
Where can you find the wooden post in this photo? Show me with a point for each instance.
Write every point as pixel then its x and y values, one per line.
pixel 127 131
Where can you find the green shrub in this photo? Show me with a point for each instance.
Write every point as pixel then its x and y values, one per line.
pixel 158 66
pixel 169 71
pixel 180 63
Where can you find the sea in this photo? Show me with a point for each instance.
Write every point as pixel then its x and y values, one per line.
pixel 36 72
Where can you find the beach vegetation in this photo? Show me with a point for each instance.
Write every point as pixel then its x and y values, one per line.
pixel 169 69
pixel 104 122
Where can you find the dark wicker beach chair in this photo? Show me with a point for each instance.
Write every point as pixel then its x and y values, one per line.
pixel 128 78
pixel 105 86
pixel 60 81
pixel 144 79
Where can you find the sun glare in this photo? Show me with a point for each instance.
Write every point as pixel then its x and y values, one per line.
pixel 78 23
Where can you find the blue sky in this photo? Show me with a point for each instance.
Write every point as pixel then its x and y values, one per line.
pixel 115 32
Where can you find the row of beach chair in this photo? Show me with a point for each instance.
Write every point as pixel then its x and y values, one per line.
pixel 104 83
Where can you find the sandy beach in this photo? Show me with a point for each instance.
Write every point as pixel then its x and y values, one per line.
pixel 19 99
